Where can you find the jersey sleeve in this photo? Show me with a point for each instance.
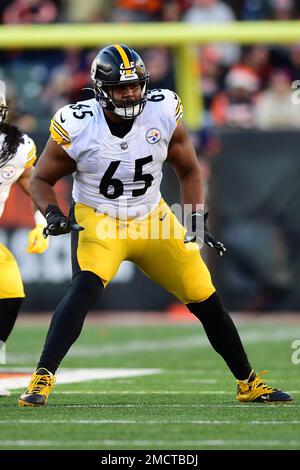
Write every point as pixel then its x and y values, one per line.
pixel 30 152
pixel 178 110
pixel 173 106
pixel 168 106
pixel 68 124
pixel 61 127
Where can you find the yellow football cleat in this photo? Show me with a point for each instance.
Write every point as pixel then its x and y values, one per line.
pixel 38 389
pixel 255 390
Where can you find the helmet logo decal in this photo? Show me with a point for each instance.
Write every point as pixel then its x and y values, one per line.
pixel 153 135
pixel 8 172
pixel 128 73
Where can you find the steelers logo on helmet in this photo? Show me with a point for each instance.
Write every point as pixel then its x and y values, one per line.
pixel 114 66
pixel 153 135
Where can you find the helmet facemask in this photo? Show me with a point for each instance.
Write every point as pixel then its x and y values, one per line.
pixel 125 109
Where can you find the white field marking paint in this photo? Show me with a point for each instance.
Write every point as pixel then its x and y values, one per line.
pixel 187 342
pixel 141 392
pixel 244 444
pixel 65 376
pixel 239 406
pixel 151 392
pixel 135 422
pixel 177 343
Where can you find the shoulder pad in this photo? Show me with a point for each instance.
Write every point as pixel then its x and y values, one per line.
pixel 28 151
pixel 69 121
pixel 170 101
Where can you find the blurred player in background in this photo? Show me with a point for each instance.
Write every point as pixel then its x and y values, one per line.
pixel 115 145
pixel 17 156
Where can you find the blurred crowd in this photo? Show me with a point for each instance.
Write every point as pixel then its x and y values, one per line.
pixel 242 87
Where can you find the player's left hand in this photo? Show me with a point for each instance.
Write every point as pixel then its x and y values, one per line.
pixel 58 223
pixel 36 242
pixel 197 231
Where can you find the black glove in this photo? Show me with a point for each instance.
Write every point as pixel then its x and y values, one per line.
pixel 197 231
pixel 58 223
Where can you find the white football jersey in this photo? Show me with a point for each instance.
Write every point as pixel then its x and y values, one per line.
pixel 118 176
pixel 9 173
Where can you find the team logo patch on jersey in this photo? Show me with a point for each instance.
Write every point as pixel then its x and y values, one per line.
pixel 153 136
pixel 8 172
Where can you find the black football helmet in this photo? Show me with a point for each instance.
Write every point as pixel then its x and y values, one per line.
pixel 3 107
pixel 114 66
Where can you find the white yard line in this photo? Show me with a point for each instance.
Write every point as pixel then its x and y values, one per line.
pixel 150 392
pixel 154 422
pixel 239 406
pixel 65 376
pixel 153 443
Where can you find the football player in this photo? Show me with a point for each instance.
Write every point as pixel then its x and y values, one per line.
pixel 115 146
pixel 17 155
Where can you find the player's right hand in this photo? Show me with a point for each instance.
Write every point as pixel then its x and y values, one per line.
pixel 58 223
pixel 197 231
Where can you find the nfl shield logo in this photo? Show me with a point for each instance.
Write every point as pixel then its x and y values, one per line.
pixel 153 136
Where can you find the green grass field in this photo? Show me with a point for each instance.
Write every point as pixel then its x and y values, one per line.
pixel 190 404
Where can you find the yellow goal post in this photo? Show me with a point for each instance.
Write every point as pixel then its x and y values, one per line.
pixel 181 37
